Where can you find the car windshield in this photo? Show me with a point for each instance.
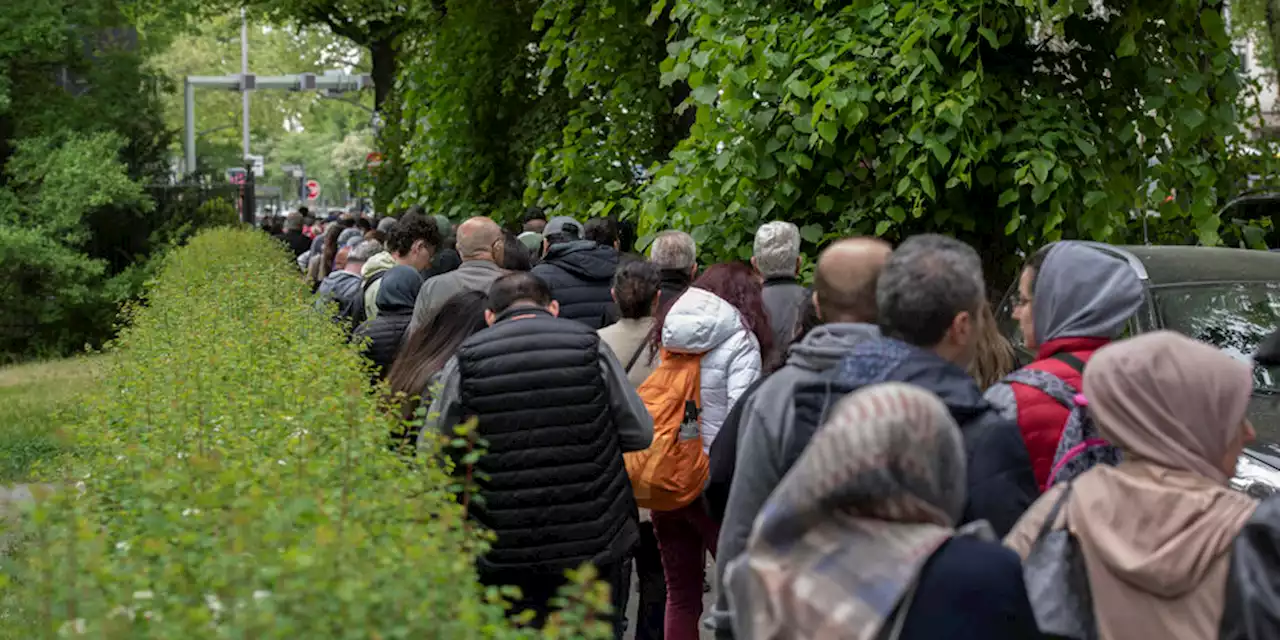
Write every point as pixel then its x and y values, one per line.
pixel 1233 316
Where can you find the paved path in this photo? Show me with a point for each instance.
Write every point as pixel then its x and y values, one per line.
pixel 707 600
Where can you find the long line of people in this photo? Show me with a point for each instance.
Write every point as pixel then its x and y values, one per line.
pixel 851 454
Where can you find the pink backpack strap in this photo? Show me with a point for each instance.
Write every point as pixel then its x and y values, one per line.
pixel 1073 452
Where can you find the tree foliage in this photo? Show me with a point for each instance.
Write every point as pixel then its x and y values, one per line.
pixel 1008 123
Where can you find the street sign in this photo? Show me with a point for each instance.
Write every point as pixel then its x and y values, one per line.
pixel 235 175
pixel 313 190
pixel 259 167
pixel 373 160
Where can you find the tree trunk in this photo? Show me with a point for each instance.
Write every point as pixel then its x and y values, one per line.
pixel 385 62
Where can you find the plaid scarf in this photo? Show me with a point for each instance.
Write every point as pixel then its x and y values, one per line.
pixel 842 539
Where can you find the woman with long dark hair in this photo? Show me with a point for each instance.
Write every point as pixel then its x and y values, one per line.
pixel 722 319
pixel 425 352
pixel 322 263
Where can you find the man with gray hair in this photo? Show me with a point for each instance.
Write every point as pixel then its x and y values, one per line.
pixel 292 235
pixel 928 298
pixel 480 245
pixel 344 285
pixel 776 256
pixel 675 253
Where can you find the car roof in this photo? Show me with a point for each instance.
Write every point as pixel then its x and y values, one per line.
pixel 1177 264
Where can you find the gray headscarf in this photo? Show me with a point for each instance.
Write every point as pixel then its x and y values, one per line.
pixel 1082 292
pixel 399 289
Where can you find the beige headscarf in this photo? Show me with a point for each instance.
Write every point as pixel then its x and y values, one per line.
pixel 1156 530
pixel 843 537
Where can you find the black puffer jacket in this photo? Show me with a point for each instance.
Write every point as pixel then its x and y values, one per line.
pixel 556 492
pixel 580 274
pixel 385 332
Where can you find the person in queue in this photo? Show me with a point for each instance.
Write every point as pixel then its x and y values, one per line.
pixel 776 256
pixel 928 299
pixel 480 243
pixel 412 241
pixel 1073 299
pixel 344 284
pixel 386 332
pixel 579 272
pixel 722 318
pixel 860 539
pixel 423 354
pixel 1155 532
pixel 534 382
pixel 675 253
pixel 844 299
pixel 635 289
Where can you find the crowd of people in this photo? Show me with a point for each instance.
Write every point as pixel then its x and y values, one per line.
pixel 861 457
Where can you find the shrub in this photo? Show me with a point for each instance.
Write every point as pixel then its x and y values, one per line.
pixel 232 479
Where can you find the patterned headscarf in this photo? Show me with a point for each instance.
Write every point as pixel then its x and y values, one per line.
pixel 841 541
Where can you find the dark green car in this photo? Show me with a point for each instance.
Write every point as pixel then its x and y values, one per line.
pixel 1229 298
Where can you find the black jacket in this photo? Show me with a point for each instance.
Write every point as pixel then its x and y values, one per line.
pixel 385 333
pixel 1252 604
pixel 580 275
pixel 557 493
pixel 674 282
pixel 445 260
pixel 297 241
pixel 971 589
pixel 1001 485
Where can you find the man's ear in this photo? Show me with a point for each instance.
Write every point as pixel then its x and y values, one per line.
pixel 613 293
pixel 754 265
pixel 964 329
pixel 817 308
pixel 799 263
pixel 490 317
pixel 693 272
pixel 554 308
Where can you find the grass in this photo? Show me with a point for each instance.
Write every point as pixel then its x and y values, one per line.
pixel 32 399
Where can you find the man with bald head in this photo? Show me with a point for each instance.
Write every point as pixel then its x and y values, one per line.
pixel 479 243
pixel 844 296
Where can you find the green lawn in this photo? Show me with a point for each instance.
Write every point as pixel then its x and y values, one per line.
pixel 32 397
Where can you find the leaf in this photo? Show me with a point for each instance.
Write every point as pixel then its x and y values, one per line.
pixel 1191 117
pixel 1127 46
pixel 799 88
pixel 932 59
pixel 1094 197
pixel 882 227
pixel 706 94
pixel 828 130
pixel 1008 197
pixel 968 79
pixel 990 36
pixel 1041 166
pixel 1041 192
pixel 1086 147
pixel 926 185
pixel 896 213
pixel 812 233
pixel 1013 225
pixel 940 151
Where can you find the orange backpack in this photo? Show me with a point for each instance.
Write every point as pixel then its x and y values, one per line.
pixel 673 471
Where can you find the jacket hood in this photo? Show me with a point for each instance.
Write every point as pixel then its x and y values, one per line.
pixel 377 264
pixel 824 346
pixel 399 290
pixel 700 321
pixel 1083 292
pixel 889 360
pixel 1158 530
pixel 585 259
pixel 341 284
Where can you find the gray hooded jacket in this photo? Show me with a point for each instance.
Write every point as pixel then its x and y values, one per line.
pixel 1082 292
pixel 767 427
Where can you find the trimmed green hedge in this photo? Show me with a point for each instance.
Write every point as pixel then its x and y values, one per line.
pixel 233 480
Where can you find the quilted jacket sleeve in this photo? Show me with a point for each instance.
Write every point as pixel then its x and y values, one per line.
pixel 744 366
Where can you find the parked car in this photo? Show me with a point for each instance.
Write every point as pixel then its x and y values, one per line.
pixel 1229 298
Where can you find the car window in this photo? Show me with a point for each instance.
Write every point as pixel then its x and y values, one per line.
pixel 1234 317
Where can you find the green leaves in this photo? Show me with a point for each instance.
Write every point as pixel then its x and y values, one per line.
pixel 1127 46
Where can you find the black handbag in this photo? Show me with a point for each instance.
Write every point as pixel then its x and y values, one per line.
pixel 1057 583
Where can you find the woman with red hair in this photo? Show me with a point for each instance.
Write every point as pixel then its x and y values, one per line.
pixel 722 318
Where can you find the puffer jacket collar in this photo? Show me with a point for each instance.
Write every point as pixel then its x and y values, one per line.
pixel 700 321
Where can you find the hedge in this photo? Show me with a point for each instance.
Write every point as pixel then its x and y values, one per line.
pixel 233 480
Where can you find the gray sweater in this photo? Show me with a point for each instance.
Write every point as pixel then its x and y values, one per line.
pixel 473 275
pixel 767 425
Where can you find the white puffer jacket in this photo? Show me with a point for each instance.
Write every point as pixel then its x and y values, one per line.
pixel 701 322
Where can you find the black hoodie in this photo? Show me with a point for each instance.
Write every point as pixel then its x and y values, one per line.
pixel 580 275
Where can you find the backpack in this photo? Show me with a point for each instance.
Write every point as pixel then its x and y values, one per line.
pixel 673 471
pixel 1081 445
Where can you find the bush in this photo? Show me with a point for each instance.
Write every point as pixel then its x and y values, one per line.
pixel 232 479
